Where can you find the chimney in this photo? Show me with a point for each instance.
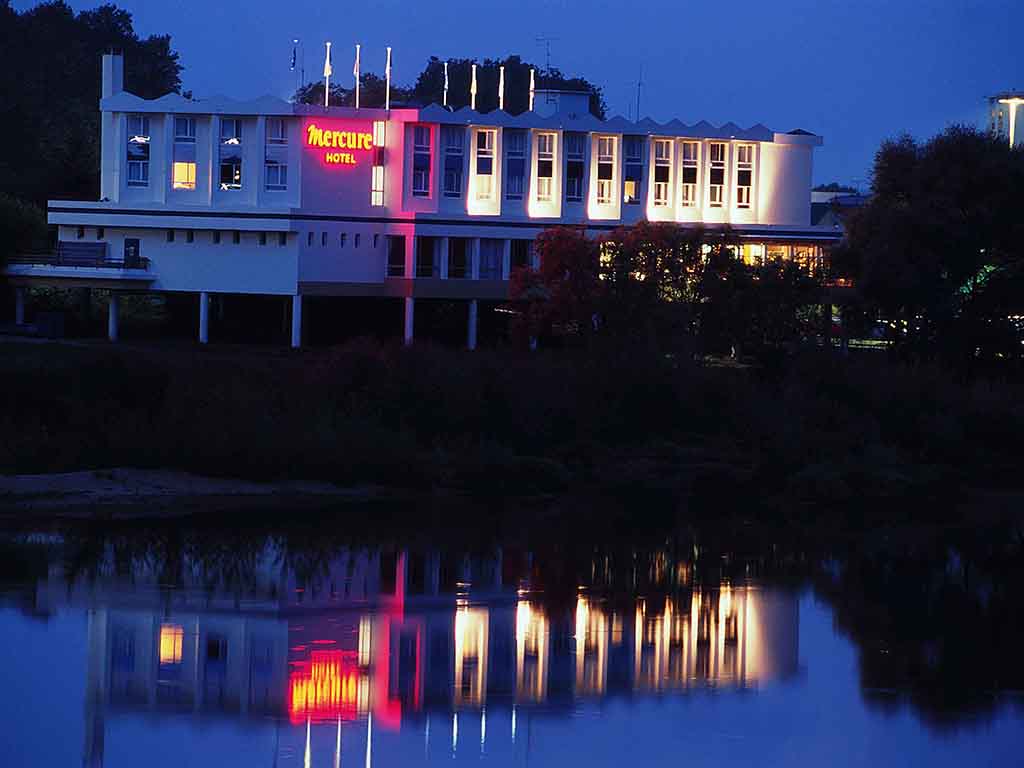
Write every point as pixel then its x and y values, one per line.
pixel 113 74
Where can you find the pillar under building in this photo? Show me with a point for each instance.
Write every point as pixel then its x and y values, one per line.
pixel 204 317
pixel 113 310
pixel 472 323
pixel 410 308
pixel 19 305
pixel 296 321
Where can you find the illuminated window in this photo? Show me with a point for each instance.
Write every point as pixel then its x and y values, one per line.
pixel 138 151
pixel 377 186
pixel 184 175
pixel 379 133
pixel 421 161
pixel 744 174
pixel 485 164
pixel 691 158
pixel 515 166
pixel 716 177
pixel 634 171
pixel 230 154
pixel 662 172
pixel 575 144
pixel 453 137
pixel 545 166
pixel 171 636
pixel 605 169
pixel 377 173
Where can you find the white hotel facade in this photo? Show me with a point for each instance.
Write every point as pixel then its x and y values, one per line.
pixel 292 200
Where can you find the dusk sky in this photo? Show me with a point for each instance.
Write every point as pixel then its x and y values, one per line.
pixel 854 72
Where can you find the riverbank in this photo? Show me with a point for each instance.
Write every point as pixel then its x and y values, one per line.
pixel 811 432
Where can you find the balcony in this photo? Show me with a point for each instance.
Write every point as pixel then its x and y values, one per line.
pixel 79 254
pixel 83 264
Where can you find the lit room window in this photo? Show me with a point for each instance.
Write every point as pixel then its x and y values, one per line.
pixel 421 161
pixel 230 153
pixel 575 144
pixel 453 136
pixel 138 151
pixel 716 178
pixel 377 186
pixel 744 174
pixel 662 171
pixel 183 167
pixel 515 169
pixel 634 171
pixel 275 156
pixel 545 166
pixel 691 155
pixel 377 173
pixel 605 169
pixel 485 164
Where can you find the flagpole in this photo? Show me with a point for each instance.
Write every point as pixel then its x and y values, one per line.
pixel 327 76
pixel 387 90
pixel 472 90
pixel 355 72
pixel 501 88
pixel 445 98
pixel 531 89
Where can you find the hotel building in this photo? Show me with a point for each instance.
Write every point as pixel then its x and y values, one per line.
pixel 269 197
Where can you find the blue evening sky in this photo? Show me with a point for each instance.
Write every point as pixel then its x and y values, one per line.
pixel 854 72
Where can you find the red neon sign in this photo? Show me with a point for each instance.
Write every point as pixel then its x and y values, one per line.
pixel 341 141
pixel 325 688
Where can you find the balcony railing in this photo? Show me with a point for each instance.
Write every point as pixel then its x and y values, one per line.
pixel 76 254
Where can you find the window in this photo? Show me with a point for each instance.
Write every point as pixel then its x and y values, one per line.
pixel 545 166
pixel 515 164
pixel 421 161
pixel 377 174
pixel 634 172
pixel 605 168
pixel 236 237
pixel 574 148
pixel 277 131
pixel 662 172
pixel 282 238
pixel 716 179
pixel 341 240
pixel 100 233
pixel 170 235
pixel 80 233
pixel 458 258
pixel 275 156
pixel 744 174
pixel 396 255
pixel 309 239
pixel 426 264
pixel 323 239
pixel 691 155
pixel 520 254
pixel 376 239
pixel 485 164
pixel 190 236
pixel 453 139
pixel 263 238
pixel 171 636
pixel 183 164
pixel 216 237
pixel 230 153
pixel 138 151
pixel 491 256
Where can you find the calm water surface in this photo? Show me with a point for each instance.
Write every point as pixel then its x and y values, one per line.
pixel 173 648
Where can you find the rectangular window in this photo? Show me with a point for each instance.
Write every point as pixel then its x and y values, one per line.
pixel 545 166
pixel 520 254
pixel 282 238
pixel 490 259
pixel 277 131
pixel 515 167
pixel 190 236
pixel 138 151
pixel 605 169
pixel 691 156
pixel 575 144
pixel 236 237
pixel 662 172
pixel 230 153
pixel 396 255
pixel 184 130
pixel 263 238
pixel 275 155
pixel 716 175
pixel 744 174
pixel 453 137
pixel 183 164
pixel 216 237
pixel 421 161
pixel 485 164
pixel 426 264
pixel 458 258
pixel 170 235
pixel 634 172
pixel 377 172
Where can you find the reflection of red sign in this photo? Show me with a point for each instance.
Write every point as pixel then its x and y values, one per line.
pixel 342 140
pixel 325 687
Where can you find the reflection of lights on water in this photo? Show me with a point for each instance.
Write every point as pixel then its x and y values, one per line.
pixel 327 687
pixel 531 653
pixel 170 643
pixel 470 655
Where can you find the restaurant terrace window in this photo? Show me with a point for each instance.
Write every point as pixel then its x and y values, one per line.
pixel 744 174
pixel 453 138
pixel 605 168
pixel 575 144
pixel 545 166
pixel 421 161
pixel 688 190
pixel 183 169
pixel 662 171
pixel 138 151
pixel 716 175
pixel 276 155
pixel 515 166
pixel 485 164
pixel 230 153
pixel 634 173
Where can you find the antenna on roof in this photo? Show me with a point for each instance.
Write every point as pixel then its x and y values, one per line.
pixel 546 42
pixel 639 85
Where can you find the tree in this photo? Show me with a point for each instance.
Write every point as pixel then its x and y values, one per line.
pixel 49 78
pixel 939 246
pixel 22 228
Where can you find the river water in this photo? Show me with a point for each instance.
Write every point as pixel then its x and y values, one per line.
pixel 171 646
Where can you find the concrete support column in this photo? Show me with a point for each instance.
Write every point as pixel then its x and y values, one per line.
pixel 204 317
pixel 19 305
pixel 474 258
pixel 409 311
pixel 296 321
pixel 471 331
pixel 442 256
pixel 113 308
pixel 410 255
pixel 506 259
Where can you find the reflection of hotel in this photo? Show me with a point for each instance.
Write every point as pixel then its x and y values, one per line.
pixel 377 636
pixel 304 202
